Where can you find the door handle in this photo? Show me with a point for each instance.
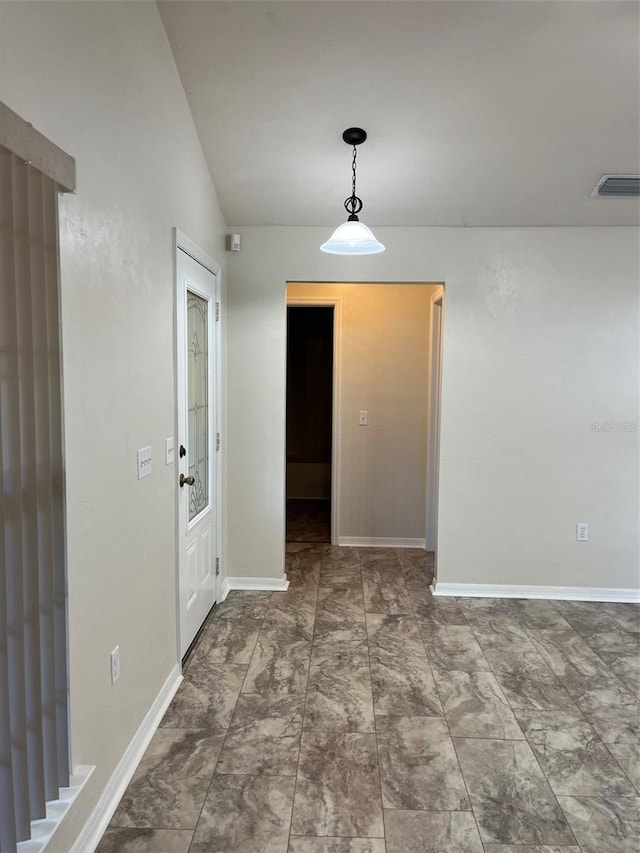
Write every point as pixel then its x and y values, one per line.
pixel 188 480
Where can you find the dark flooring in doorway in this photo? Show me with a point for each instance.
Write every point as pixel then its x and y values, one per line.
pixel 357 713
pixel 308 520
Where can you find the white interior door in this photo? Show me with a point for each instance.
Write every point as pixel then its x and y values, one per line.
pixel 196 469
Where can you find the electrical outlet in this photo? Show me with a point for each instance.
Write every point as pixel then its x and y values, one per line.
pixel 582 531
pixel 115 664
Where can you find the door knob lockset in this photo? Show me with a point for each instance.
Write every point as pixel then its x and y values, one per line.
pixel 188 480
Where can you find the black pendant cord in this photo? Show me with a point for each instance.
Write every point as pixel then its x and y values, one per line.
pixel 353 204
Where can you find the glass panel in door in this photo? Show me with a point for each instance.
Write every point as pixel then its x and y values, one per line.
pixel 198 401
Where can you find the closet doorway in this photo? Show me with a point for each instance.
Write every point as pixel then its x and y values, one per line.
pixel 311 415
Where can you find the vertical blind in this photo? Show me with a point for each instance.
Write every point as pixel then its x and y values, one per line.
pixel 34 749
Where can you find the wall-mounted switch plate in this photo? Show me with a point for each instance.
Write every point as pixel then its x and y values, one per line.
pixel 364 419
pixel 144 462
pixel 168 451
pixel 115 664
pixel 582 531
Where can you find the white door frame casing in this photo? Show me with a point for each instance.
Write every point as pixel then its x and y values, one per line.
pixel 182 242
pixel 334 302
pixel 434 395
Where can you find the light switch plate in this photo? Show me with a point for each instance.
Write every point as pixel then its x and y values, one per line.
pixel 168 451
pixel 144 462
pixel 364 419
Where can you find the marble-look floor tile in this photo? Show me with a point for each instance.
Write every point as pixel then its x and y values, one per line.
pixel 337 559
pixel 280 663
pixel 626 667
pixel 245 814
pixel 338 787
pixel 297 844
pixel 248 605
pixel 523 693
pixel 432 612
pixel 585 617
pixel 207 696
pixel 292 612
pixel 145 841
pixel 455 647
pixel 530 848
pixel 613 712
pixel 228 640
pixel 431 832
pixel 400 673
pixel 571 660
pixel 572 756
pixel 511 799
pixel 502 634
pixel 338 607
pixel 339 699
pixel 614 639
pixel 475 706
pixel 600 824
pixel 628 757
pixel 418 765
pixel 378 555
pixel 264 735
pixel 478 609
pixel 336 646
pixel 417 577
pixel 523 664
pixel 385 590
pixel 169 786
pixel 535 613
pixel 625 614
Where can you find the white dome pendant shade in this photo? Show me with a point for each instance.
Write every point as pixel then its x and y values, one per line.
pixel 353 237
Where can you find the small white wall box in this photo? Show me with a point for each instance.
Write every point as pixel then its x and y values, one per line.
pixel 233 242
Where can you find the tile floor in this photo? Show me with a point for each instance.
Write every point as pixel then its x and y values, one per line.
pixel 356 713
pixel 308 520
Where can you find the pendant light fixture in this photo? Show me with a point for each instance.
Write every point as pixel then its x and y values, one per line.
pixel 353 237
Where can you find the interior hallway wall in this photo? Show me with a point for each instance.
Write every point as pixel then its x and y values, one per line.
pixel 383 371
pixel 99 80
pixel 540 354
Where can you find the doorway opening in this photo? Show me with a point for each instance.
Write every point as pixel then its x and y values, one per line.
pixel 309 429
pixel 386 367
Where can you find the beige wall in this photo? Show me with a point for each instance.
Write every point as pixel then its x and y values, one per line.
pixel 540 343
pixel 99 80
pixel 383 370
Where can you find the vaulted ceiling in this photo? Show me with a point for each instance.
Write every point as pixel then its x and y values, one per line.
pixel 478 113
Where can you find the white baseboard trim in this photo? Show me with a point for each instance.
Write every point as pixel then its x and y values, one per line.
pixel 98 821
pixel 560 593
pixel 379 542
pixel 255 584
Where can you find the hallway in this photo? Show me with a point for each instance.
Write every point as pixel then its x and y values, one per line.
pixel 355 713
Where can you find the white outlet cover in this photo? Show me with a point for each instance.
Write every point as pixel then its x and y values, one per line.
pixel 582 531
pixel 144 462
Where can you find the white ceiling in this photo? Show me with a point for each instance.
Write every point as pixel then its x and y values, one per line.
pixel 478 113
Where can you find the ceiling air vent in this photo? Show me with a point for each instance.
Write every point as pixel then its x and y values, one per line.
pixel 617 185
